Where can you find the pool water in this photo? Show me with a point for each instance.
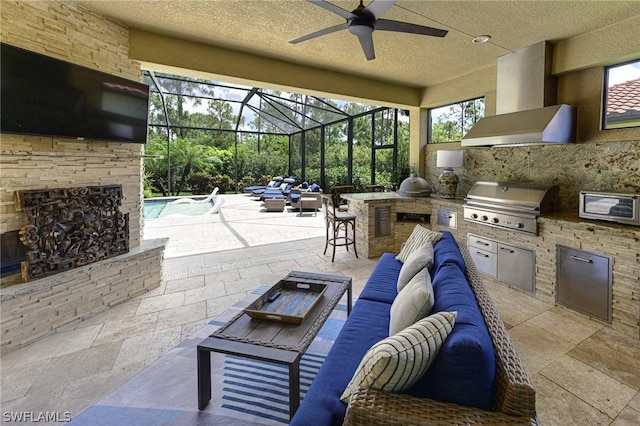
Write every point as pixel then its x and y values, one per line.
pixel 154 209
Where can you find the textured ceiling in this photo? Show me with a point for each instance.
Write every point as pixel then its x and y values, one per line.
pixel 264 27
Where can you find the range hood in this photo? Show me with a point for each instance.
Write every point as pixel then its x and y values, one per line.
pixel 526 113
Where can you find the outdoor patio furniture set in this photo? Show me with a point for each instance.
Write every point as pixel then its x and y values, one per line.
pixel 281 190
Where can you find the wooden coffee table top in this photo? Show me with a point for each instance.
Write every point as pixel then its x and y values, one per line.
pixel 289 337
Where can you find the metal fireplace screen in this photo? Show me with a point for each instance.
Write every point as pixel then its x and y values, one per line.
pixel 71 227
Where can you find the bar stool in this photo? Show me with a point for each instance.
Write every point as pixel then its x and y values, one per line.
pixel 337 191
pixel 335 221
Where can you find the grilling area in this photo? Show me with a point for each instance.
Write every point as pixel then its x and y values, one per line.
pixel 512 206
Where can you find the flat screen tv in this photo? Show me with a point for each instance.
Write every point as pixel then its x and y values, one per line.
pixel 44 96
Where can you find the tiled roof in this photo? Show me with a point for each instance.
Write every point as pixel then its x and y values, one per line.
pixel 624 97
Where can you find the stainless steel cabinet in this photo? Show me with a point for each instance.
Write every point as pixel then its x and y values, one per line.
pixel 447 218
pixel 584 281
pixel 484 254
pixel 511 264
pixel 516 266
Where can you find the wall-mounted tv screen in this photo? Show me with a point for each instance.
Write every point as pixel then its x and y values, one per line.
pixel 44 96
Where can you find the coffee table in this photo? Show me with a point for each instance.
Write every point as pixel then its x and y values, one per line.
pixel 273 341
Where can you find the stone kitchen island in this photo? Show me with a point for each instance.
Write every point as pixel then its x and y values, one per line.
pixel 384 220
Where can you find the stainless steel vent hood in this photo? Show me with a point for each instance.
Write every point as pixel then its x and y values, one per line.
pixel 526 113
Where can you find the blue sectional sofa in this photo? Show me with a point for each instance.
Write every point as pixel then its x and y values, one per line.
pixel 476 374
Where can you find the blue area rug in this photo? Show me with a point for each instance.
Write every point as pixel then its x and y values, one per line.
pixel 244 391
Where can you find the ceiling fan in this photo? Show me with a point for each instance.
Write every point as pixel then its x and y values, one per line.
pixel 362 21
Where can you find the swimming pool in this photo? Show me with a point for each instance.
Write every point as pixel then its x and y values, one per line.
pixel 156 208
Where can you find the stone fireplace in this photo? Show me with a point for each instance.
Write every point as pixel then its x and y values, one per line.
pixel 56 303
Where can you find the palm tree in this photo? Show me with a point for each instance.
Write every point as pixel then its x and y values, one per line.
pixel 188 156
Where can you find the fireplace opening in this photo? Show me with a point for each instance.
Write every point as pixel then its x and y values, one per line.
pixel 12 253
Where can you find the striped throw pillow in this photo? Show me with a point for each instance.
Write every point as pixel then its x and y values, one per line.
pixel 418 238
pixel 396 363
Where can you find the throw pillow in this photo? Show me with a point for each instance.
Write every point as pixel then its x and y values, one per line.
pixel 419 237
pixel 419 259
pixel 394 364
pixel 413 303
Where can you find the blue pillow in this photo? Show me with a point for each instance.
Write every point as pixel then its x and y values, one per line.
pixel 464 371
pixel 305 185
pixel 315 187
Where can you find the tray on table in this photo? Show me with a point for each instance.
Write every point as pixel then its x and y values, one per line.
pixel 288 301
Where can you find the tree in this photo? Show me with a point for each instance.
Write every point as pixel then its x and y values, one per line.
pixel 188 156
pixel 452 122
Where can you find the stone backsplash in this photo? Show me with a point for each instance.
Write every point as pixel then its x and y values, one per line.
pixel 606 166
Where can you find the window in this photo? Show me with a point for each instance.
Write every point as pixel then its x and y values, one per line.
pixel 450 123
pixel 621 107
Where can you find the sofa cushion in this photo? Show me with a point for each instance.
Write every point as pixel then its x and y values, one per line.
pixel 294 198
pixel 367 325
pixel 464 370
pixel 446 251
pixel 419 237
pixel 397 362
pixel 419 259
pixel 413 303
pixel 381 285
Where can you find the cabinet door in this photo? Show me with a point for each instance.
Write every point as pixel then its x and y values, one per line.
pixel 485 261
pixel 516 266
pixel 584 281
pixel 482 243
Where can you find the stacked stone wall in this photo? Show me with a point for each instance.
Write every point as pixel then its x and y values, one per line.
pixel 53 304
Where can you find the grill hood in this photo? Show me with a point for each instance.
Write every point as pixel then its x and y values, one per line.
pixel 526 113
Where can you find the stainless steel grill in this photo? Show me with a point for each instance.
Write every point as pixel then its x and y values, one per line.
pixel 510 205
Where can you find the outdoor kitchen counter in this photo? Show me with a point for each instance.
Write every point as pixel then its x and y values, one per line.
pixel 573 221
pixel 621 242
pixel 385 219
pixel 367 197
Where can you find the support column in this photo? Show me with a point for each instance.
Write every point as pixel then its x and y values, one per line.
pixel 418 139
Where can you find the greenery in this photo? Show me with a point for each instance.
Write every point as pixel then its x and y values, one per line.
pixel 200 149
pixel 451 122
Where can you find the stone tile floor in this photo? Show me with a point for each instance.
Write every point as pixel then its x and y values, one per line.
pixel 584 372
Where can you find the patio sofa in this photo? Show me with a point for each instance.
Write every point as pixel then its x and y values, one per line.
pixel 311 193
pixel 475 378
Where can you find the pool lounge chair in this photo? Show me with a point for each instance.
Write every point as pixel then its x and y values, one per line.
pixel 187 200
pixel 273 183
pixel 216 207
pixel 213 210
pixel 280 192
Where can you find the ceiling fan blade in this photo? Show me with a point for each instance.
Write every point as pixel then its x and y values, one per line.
pixel 366 41
pixel 405 27
pixel 321 33
pixel 378 7
pixel 333 8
